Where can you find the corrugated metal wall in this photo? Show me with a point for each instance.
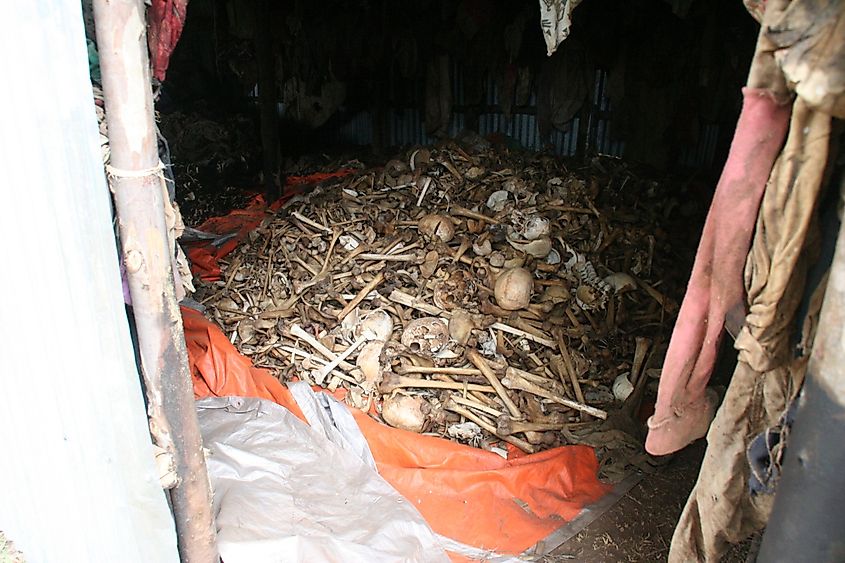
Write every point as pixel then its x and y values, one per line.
pixel 704 153
pixel 601 120
pixel 407 126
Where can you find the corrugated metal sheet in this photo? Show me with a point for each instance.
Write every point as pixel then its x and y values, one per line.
pixel 704 152
pixel 457 124
pixel 407 126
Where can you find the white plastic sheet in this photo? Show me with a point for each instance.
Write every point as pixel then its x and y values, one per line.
pixel 333 420
pixel 285 492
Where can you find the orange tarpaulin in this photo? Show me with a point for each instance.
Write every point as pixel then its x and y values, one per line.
pixel 467 494
pixel 204 255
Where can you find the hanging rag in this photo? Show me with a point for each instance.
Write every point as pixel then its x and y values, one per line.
pixel 720 509
pixel 438 97
pixel 802 43
pixel 562 88
pixel 785 289
pixel 685 407
pixel 555 21
pixel 165 20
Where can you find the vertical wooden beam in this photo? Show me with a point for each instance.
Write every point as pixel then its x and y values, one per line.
pixel 585 117
pixel 381 85
pixel 137 183
pixel 267 99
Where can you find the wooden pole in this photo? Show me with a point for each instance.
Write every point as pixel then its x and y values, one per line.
pixel 137 183
pixel 267 100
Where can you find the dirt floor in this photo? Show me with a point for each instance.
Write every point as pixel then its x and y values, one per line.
pixel 639 527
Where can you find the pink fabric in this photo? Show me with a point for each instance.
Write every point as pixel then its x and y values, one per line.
pixel 685 406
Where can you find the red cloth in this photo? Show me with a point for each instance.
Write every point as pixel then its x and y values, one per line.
pixel 684 406
pixel 165 21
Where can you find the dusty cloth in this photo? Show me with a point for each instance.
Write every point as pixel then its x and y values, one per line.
pixel 765 454
pixel 654 116
pixel 506 84
pixel 562 88
pixel 809 37
pixel 720 509
pixel 524 79
pixel 438 97
pixel 684 409
pixel 756 8
pixel 165 20
pixel 555 21
pixel 771 367
pixel 312 110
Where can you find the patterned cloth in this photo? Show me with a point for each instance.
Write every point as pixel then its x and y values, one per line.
pixel 555 21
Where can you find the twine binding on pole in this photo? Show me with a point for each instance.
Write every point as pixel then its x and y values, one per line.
pixel 157 170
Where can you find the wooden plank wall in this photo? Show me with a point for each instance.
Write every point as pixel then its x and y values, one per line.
pixel 77 479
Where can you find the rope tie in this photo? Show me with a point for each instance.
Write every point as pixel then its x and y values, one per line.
pixel 157 170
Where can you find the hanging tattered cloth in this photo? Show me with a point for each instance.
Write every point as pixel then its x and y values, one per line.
pixel 562 87
pixel 555 21
pixel 810 50
pixel 684 408
pixel 165 20
pixel 784 281
pixel 438 97
pixel 720 509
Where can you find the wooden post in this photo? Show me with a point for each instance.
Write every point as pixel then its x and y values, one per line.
pixel 585 116
pixel 267 100
pixel 137 182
